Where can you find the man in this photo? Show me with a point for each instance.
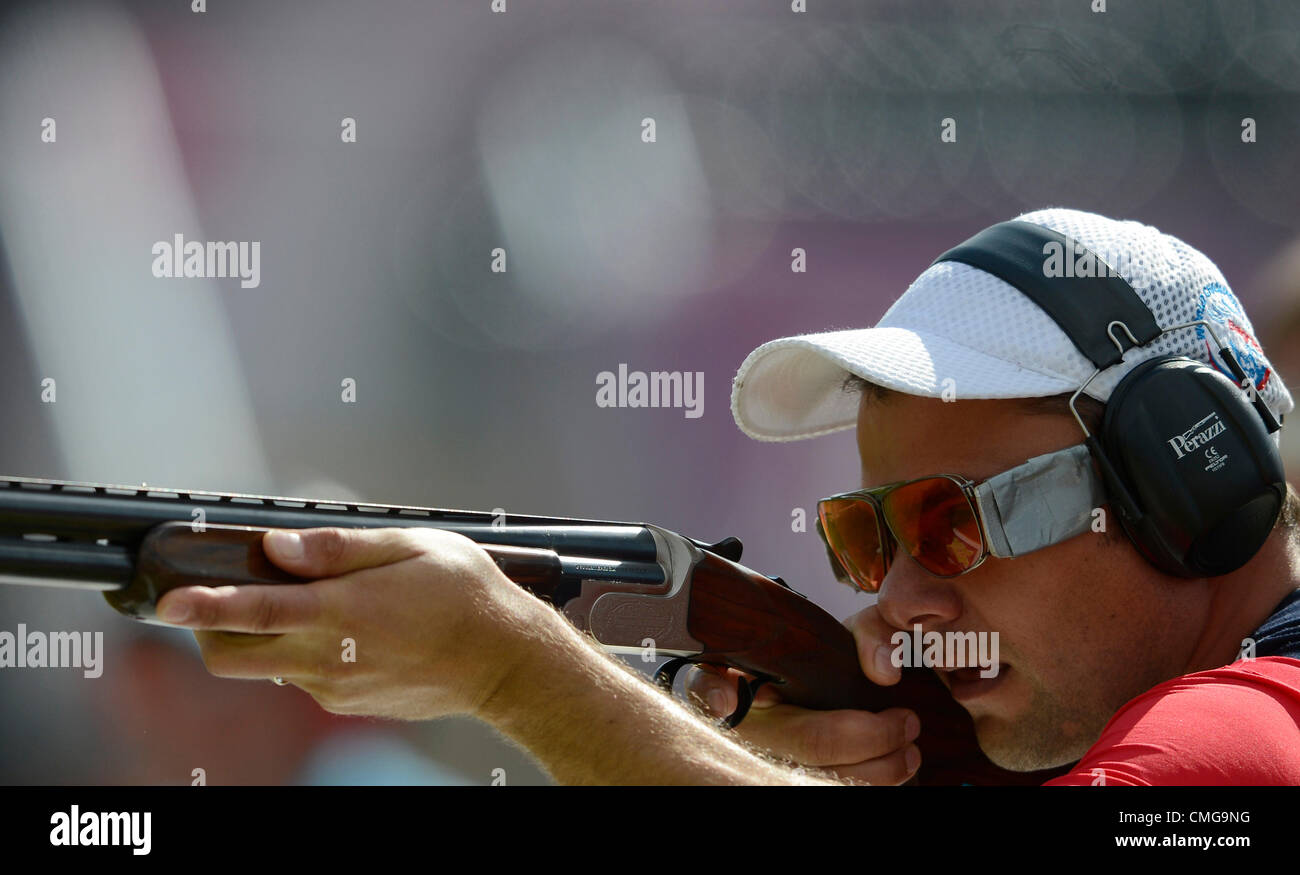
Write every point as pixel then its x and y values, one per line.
pixel 1103 658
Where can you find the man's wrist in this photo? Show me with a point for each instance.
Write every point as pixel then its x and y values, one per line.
pixel 536 644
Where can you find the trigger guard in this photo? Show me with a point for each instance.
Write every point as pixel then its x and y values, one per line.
pixel 667 673
pixel 745 690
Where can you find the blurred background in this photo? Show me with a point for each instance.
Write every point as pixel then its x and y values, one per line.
pixel 523 129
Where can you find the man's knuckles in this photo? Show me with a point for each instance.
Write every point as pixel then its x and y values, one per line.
pixel 838 737
pixel 328 547
pixel 824 738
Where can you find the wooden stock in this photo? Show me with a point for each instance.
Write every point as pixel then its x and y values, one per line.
pixel 750 622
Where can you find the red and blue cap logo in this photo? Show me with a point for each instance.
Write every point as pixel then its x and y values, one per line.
pixel 1220 307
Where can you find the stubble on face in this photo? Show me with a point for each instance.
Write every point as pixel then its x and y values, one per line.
pixel 1085 625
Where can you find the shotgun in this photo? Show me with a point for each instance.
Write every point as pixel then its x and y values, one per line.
pixel 632 586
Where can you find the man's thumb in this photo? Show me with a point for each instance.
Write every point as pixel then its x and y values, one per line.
pixel 331 552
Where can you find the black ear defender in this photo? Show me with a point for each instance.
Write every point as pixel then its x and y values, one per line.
pixel 1186 455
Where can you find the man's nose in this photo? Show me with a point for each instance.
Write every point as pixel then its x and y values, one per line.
pixel 909 595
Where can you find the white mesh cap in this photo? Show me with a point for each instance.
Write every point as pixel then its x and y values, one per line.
pixel 959 323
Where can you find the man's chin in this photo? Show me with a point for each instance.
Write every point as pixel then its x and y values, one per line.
pixel 1017 724
pixel 1026 744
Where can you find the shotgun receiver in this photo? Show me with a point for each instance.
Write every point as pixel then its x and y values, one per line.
pixel 622 583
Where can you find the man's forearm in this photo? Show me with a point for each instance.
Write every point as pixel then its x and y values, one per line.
pixel 590 720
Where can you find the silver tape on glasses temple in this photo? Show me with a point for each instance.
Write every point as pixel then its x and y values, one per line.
pixel 1047 500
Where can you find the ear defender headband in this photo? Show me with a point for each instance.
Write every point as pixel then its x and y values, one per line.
pixel 1185 454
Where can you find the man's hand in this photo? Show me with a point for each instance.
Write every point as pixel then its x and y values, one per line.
pixel 875 748
pixel 438 629
pixel 435 626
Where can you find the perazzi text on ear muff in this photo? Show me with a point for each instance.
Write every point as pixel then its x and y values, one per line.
pixel 1186 455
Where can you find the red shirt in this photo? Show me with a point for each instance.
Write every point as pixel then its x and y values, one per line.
pixel 1239 724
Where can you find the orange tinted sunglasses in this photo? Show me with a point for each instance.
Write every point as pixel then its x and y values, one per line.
pixel 934 519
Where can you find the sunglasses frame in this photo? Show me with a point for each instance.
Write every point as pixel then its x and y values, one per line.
pixel 875 496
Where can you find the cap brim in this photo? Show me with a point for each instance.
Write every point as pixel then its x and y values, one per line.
pixel 792 388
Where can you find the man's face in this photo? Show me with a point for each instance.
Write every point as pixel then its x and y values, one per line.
pixel 1083 626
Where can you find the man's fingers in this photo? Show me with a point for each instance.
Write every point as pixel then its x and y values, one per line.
pixel 262 609
pixel 872 635
pixel 310 553
pixel 330 552
pixel 249 657
pixel 890 770
pixel 830 738
pixel 715 687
